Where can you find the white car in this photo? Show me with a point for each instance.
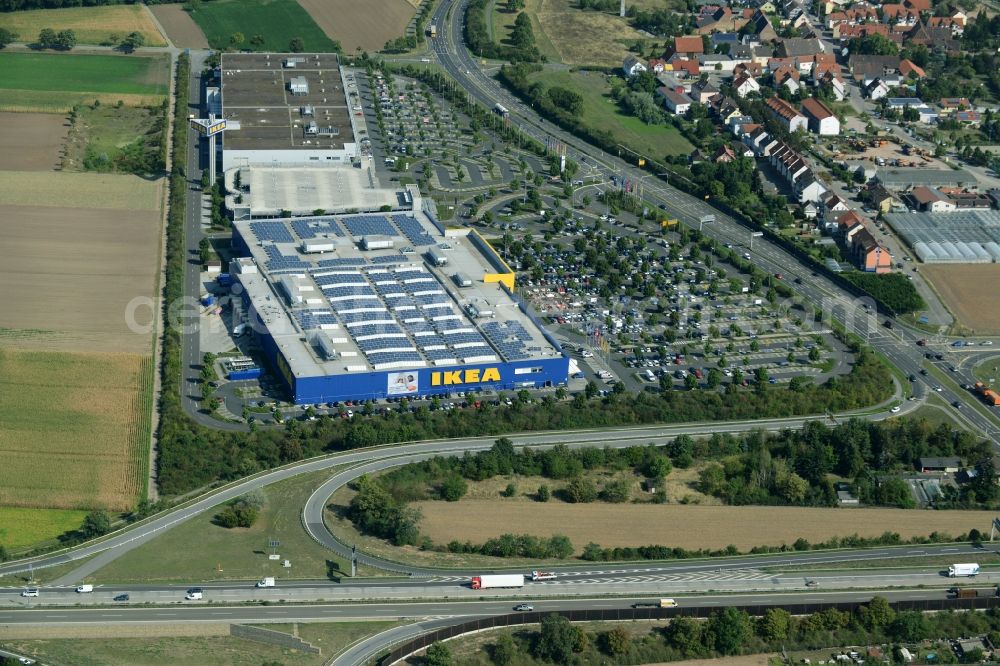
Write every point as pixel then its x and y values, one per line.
pixel 988 343
pixel 894 409
pixel 29 592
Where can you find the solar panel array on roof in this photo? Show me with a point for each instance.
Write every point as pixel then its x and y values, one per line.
pixel 271 231
pixel 412 229
pixel 452 324
pixel 369 345
pixel 369 225
pixel 358 305
pixel 313 319
pixel 389 259
pixel 348 291
pixel 341 262
pixel 443 356
pixel 306 228
pixel 364 331
pixel 340 279
pixel 508 338
pixel 381 360
pixel 281 262
pixel 352 319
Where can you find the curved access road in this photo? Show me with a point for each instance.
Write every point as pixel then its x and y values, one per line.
pixel 114 545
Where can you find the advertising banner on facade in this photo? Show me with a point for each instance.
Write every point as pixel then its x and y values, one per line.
pixel 402 383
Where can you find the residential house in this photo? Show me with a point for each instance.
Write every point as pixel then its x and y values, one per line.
pixel 741 125
pixel 918 5
pixel 876 90
pixel 685 68
pixel 871 256
pixel 723 19
pixel 793 168
pixel 849 223
pixel 724 155
pixel 957 29
pixel 797 48
pixel 868 67
pixel 656 65
pixel 821 119
pixel 925 114
pixel 950 105
pixel 970 117
pixel 688 47
pixel 745 85
pixel 786 114
pixel 911 71
pixel 677 103
pixel 896 13
pixel 670 80
pixel 788 78
pixel 718 62
pixel 702 91
pixel 741 150
pixel 760 27
pixel 947 465
pixel 966 200
pixel 939 39
pixel 930 200
pixel 847 31
pixel 632 66
pixel 836 85
pixel 753 69
pixel 724 41
pixel 880 198
pixel 767 6
pixel 792 9
pixel 760 141
pixel 810 211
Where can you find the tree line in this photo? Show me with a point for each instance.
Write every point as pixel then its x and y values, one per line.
pixel 18 5
pixel 733 631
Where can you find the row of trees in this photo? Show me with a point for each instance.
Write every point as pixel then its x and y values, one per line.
pixel 17 5
pixel 63 40
pixel 732 631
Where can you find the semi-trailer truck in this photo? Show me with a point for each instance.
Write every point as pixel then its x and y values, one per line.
pixel 497 581
pixel 967 593
pixel 955 570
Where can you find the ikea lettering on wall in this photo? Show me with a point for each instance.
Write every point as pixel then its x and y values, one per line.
pixel 451 378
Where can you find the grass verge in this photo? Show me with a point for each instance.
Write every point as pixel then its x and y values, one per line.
pixel 234 554
pixel 601 112
pixel 23 527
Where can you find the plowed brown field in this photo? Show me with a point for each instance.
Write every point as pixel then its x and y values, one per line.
pixel 962 288
pixel 31 141
pixel 368 24
pixel 673 525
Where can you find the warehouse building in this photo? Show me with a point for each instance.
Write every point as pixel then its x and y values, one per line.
pixel 369 306
pixel 285 109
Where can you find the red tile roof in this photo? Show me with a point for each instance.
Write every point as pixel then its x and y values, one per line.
pixel 688 45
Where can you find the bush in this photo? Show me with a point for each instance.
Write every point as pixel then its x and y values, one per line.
pixel 510 490
pixel 453 488
pixel 237 513
pixel 581 490
pixel 543 493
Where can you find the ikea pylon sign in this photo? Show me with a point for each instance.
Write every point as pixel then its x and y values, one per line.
pixel 460 377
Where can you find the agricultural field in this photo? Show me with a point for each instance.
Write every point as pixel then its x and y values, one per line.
pixel 81 190
pixel 76 429
pixel 276 21
pixel 50 82
pixel 582 37
pixel 612 525
pixel 960 287
pixel 361 24
pixel 31 141
pixel 93 25
pixel 73 273
pixel 182 31
pixel 600 111
pixel 20 527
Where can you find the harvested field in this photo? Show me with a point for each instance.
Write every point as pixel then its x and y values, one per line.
pixel 584 37
pixel 74 429
pixel 55 82
pixel 31 142
pixel 367 24
pixel 70 275
pixel 181 29
pixel 689 526
pixel 80 190
pixel 25 527
pixel 93 25
pixel 961 288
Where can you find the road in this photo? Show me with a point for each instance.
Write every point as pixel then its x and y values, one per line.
pixel 896 345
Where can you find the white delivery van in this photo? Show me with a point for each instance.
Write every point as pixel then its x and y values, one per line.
pixel 266 582
pixel 85 588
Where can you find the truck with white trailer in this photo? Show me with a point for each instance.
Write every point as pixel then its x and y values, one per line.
pixel 497 581
pixel 956 570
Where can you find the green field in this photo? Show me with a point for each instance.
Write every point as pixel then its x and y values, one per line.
pixel 600 111
pixel 25 527
pixel 241 553
pixel 277 21
pixel 55 82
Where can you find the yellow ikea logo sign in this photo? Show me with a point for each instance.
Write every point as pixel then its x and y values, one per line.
pixel 453 377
